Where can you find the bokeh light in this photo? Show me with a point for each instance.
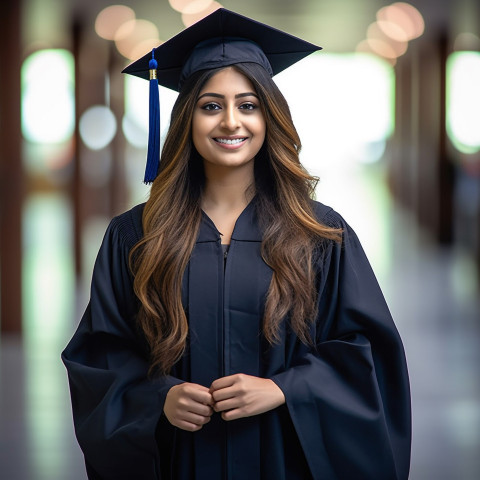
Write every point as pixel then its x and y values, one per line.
pixel 190 6
pixel 396 25
pixel 377 47
pixel 144 47
pixel 48 107
pixel 189 19
pixel 394 48
pixel 405 16
pixel 110 19
pixel 97 127
pixel 392 30
pixel 136 37
pixel 463 101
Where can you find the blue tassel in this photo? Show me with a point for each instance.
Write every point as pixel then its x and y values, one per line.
pixel 153 153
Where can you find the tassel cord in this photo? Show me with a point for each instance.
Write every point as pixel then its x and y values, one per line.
pixel 153 152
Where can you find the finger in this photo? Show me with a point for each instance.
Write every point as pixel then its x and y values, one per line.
pixel 233 414
pixel 224 393
pixel 229 404
pixel 189 405
pixel 223 382
pixel 193 418
pixel 199 393
pixel 201 409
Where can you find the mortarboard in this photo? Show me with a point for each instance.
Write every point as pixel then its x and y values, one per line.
pixel 221 39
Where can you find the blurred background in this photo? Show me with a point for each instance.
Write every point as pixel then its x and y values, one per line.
pixel 389 116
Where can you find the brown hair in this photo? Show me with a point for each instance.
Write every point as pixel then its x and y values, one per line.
pixel 172 216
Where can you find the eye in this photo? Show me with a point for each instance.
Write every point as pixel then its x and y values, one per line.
pixel 248 106
pixel 209 107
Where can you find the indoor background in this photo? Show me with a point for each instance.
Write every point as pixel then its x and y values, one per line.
pixel 389 117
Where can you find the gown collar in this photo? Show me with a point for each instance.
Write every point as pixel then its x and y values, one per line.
pixel 246 227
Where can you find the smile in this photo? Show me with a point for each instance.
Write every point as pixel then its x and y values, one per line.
pixel 230 141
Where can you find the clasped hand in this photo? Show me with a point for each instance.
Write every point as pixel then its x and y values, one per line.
pixel 189 406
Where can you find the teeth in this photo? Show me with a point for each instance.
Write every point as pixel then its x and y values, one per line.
pixel 230 142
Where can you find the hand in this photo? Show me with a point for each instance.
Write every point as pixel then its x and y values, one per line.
pixel 240 395
pixel 188 406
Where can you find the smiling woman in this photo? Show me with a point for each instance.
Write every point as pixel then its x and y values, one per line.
pixel 235 327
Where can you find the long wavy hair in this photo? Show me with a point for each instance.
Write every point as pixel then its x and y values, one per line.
pixel 172 215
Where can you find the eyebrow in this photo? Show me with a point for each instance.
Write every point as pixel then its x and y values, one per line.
pixel 239 95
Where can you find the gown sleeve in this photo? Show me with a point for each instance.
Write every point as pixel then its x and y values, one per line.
pixel 116 408
pixel 349 397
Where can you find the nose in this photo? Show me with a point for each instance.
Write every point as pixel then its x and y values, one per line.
pixel 230 119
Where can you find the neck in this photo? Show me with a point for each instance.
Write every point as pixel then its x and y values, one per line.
pixel 228 188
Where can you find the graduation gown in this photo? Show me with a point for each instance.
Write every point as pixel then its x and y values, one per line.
pixel 347 410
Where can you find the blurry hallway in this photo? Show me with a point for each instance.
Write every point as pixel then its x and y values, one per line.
pixel 397 152
pixel 433 297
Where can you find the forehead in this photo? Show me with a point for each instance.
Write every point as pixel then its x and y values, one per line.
pixel 228 79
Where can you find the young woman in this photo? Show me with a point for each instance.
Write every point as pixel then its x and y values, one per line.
pixel 235 328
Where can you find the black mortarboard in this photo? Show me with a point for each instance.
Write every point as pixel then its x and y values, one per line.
pixel 221 39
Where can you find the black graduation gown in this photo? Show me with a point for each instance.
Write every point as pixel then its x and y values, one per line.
pixel 347 411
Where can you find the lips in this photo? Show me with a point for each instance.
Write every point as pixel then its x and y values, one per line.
pixel 230 141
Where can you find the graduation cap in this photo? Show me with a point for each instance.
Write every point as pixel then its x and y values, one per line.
pixel 221 39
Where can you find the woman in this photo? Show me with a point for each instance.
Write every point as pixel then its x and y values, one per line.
pixel 235 328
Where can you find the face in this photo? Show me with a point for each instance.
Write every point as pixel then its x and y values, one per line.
pixel 228 127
